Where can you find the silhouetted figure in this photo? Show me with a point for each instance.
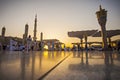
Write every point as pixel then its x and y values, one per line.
pixel 74 48
pixel 1 47
pixel 32 47
pixel 57 47
pixel 40 47
pixel 118 46
pixel 4 47
pixel 64 47
pixel 11 44
pixel 78 47
pixel 52 46
pixel 86 48
pixel 109 48
pixel 29 40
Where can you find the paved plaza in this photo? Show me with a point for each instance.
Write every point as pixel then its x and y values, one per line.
pixel 91 65
pixel 18 65
pixel 88 66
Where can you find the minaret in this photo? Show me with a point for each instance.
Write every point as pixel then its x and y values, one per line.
pixel 25 35
pixel 41 41
pixel 3 36
pixel 3 32
pixel 41 37
pixel 26 30
pixel 35 28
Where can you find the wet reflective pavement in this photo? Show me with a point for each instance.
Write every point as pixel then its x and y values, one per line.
pixel 16 65
pixel 93 65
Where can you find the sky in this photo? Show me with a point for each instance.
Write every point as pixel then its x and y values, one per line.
pixel 56 17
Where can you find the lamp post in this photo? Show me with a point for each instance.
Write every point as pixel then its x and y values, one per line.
pixel 102 18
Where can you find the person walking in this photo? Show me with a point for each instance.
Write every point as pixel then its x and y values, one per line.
pixel 29 40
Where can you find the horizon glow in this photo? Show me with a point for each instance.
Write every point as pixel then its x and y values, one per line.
pixel 56 17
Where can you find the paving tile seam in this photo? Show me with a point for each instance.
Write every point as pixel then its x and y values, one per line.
pixel 44 75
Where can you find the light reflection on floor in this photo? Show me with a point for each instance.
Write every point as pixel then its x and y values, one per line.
pixel 92 65
pixel 16 65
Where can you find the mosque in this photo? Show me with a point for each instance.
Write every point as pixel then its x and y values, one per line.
pixel 55 44
pixel 49 44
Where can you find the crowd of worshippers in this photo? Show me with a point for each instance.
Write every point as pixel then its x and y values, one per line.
pixel 15 46
pixel 77 47
pixel 29 46
pixel 34 46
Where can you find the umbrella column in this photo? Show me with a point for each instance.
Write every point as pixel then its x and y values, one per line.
pixel 102 18
pixel 81 39
pixel 85 36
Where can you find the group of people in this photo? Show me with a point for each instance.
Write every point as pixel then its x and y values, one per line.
pixel 15 46
pixel 33 45
pixel 30 45
pixel 118 46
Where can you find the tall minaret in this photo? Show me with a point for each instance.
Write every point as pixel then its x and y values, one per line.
pixel 3 32
pixel 25 35
pixel 35 28
pixel 41 37
pixel 26 30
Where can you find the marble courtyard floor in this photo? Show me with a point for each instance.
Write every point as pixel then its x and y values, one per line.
pixel 88 66
pixel 17 65
pixel 91 65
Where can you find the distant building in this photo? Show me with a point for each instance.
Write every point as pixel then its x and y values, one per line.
pixel 52 44
pixel 7 40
